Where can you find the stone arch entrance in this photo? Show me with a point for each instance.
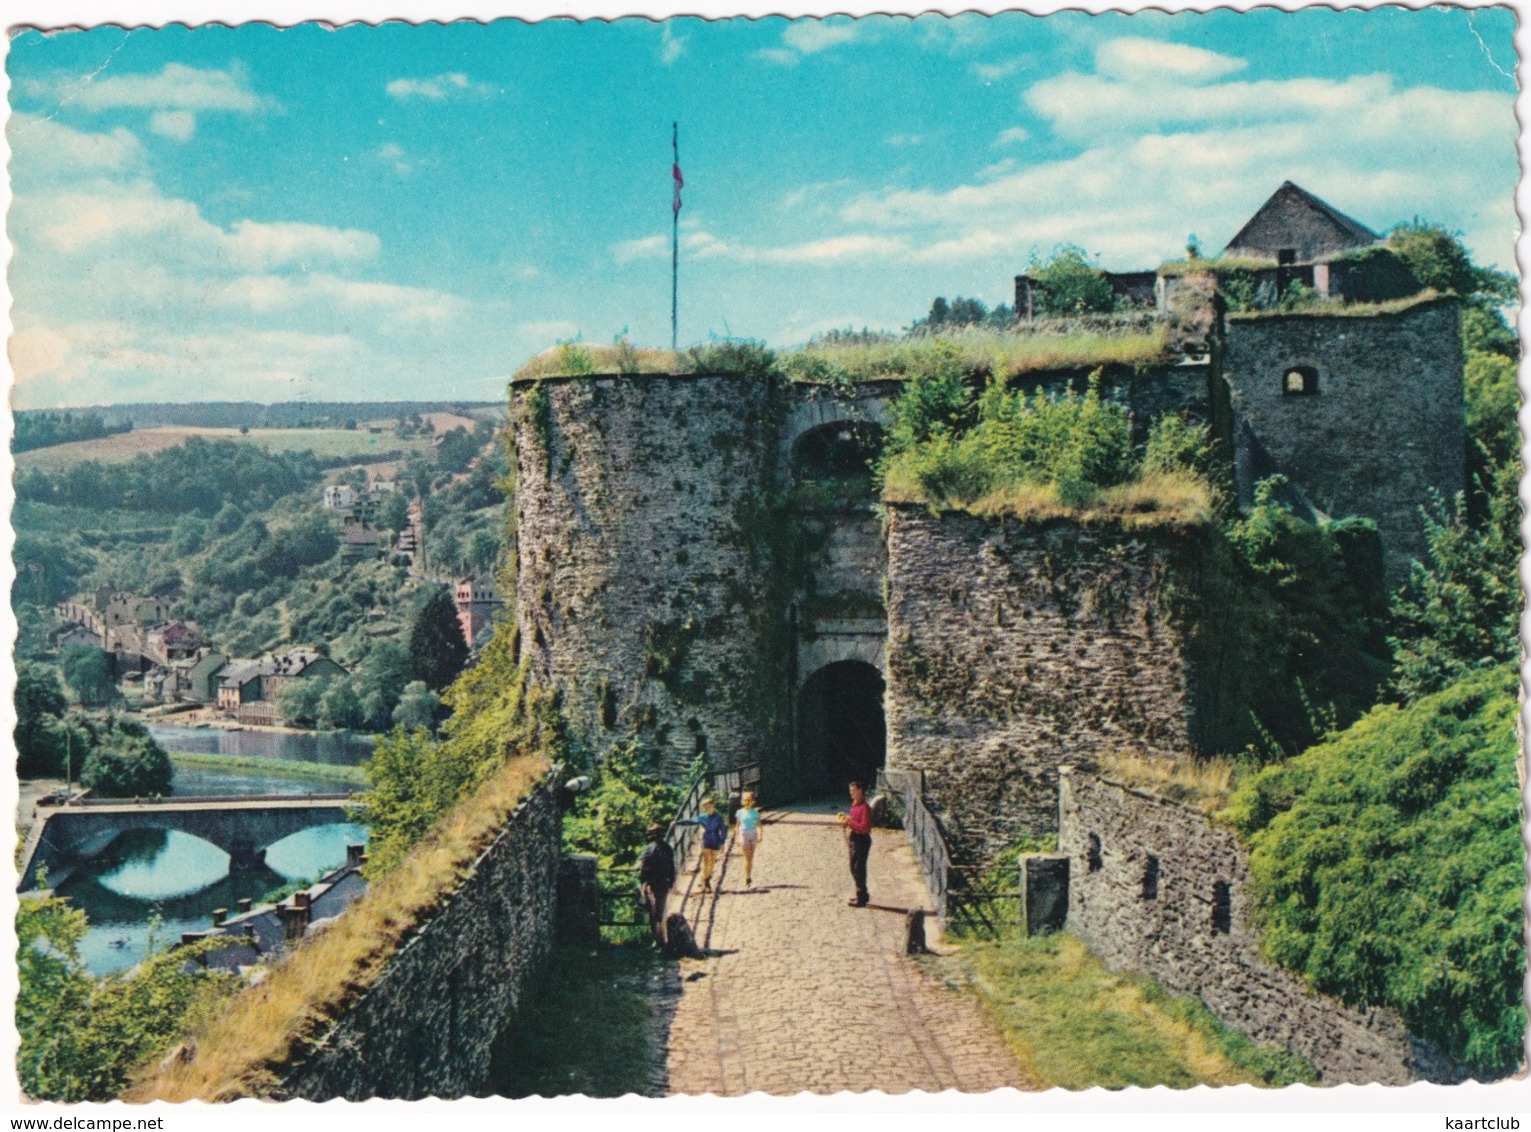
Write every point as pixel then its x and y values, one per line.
pixel 841 732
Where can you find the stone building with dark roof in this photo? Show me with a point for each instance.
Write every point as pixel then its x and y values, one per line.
pixel 1294 226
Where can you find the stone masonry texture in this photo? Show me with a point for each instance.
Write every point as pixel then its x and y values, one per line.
pixel 1015 648
pixel 425 1028
pixel 639 593
pixel 1384 428
pixel 1115 838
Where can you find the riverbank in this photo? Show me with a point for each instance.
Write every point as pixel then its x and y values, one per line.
pixel 212 719
pixel 352 776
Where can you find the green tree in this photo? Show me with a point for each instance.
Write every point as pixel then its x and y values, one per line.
pixel 340 706
pixel 299 700
pixel 88 672
pixel 393 513
pixel 82 1038
pixel 384 674
pixel 417 706
pixel 127 763
pixel 39 706
pixel 436 645
pixel 1067 283
pixel 1461 611
pixel 611 820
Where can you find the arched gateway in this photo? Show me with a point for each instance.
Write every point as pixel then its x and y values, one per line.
pixel 841 733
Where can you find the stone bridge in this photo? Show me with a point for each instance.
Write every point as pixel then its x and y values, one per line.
pixel 243 826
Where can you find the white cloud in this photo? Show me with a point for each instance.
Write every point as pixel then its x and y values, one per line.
pixel 393 154
pixel 699 244
pixel 437 88
pixel 1012 136
pixel 994 72
pixel 1160 161
pixel 44 150
pixel 1147 60
pixel 177 125
pixel 809 37
pixel 175 87
pixel 671 46
pixel 906 139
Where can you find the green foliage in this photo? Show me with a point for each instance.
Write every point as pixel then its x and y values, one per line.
pixel 1484 330
pixel 742 356
pixel 1067 283
pixel 574 360
pixel 1286 628
pixel 340 706
pixel 611 819
pixel 126 762
pixel 961 313
pixel 414 779
pixel 1462 611
pixel 937 402
pixel 1492 402
pixel 457 449
pixel 197 475
pixel 1079 444
pixel 436 647
pixel 298 700
pixel 39 706
pixel 88 672
pixel 45 429
pixel 1178 444
pixel 417 706
pixel 82 1037
pixel 1389 867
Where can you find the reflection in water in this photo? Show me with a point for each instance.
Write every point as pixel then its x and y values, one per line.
pixel 334 748
pixel 180 878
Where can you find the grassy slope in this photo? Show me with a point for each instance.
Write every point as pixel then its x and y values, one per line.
pixel 1075 1025
pixel 355 444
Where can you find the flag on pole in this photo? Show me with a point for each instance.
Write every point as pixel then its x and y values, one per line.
pixel 680 183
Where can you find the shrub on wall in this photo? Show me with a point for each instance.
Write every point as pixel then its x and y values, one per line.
pixel 1389 868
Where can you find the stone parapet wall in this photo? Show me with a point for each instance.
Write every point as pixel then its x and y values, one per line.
pixel 426 1026
pixel 639 592
pixel 1016 647
pixel 1384 429
pixel 1195 936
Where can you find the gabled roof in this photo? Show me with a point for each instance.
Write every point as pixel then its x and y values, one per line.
pixel 1295 219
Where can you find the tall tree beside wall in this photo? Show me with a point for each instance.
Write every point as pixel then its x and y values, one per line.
pixel 436 645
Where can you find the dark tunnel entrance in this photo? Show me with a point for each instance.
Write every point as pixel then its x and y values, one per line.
pixel 841 734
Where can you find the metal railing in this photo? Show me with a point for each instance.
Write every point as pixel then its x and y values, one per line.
pixel 197 799
pixel 967 897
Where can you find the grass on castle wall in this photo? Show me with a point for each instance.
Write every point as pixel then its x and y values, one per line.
pixel 587 1028
pixel 1152 500
pixel 244 1050
pixel 582 359
pixel 1001 353
pixel 1333 308
pixel 1075 1025
pixel 1206 784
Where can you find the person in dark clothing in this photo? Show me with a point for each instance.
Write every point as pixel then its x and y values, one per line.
pixel 714 836
pixel 858 837
pixel 656 874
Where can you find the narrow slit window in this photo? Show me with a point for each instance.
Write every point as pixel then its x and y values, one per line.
pixel 1299 381
pixel 1222 908
pixel 1151 878
pixel 1092 854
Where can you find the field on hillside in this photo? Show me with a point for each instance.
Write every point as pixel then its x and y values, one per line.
pixel 357 444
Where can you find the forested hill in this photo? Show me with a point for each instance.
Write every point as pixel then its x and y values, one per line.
pixel 251 414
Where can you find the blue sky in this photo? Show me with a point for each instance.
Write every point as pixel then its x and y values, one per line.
pixel 412 212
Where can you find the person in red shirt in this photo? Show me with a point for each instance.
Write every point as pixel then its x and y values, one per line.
pixel 858 836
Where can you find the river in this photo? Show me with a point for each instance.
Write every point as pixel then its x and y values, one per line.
pixel 149 886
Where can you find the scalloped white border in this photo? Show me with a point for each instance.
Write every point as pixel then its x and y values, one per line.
pixel 1344 1107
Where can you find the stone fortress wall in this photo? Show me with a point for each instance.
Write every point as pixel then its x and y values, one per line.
pixel 639 589
pixel 1017 647
pixel 427 1026
pixel 1383 428
pixel 1156 886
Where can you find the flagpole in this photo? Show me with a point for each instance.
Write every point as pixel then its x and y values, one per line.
pixel 675 246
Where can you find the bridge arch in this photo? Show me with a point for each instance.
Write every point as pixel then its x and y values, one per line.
pixel 841 729
pixel 837 450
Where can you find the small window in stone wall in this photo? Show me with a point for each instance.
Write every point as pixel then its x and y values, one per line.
pixel 1151 878
pixel 1222 908
pixel 1299 381
pixel 1092 854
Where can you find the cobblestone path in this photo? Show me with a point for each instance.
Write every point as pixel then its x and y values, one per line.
pixel 801 992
